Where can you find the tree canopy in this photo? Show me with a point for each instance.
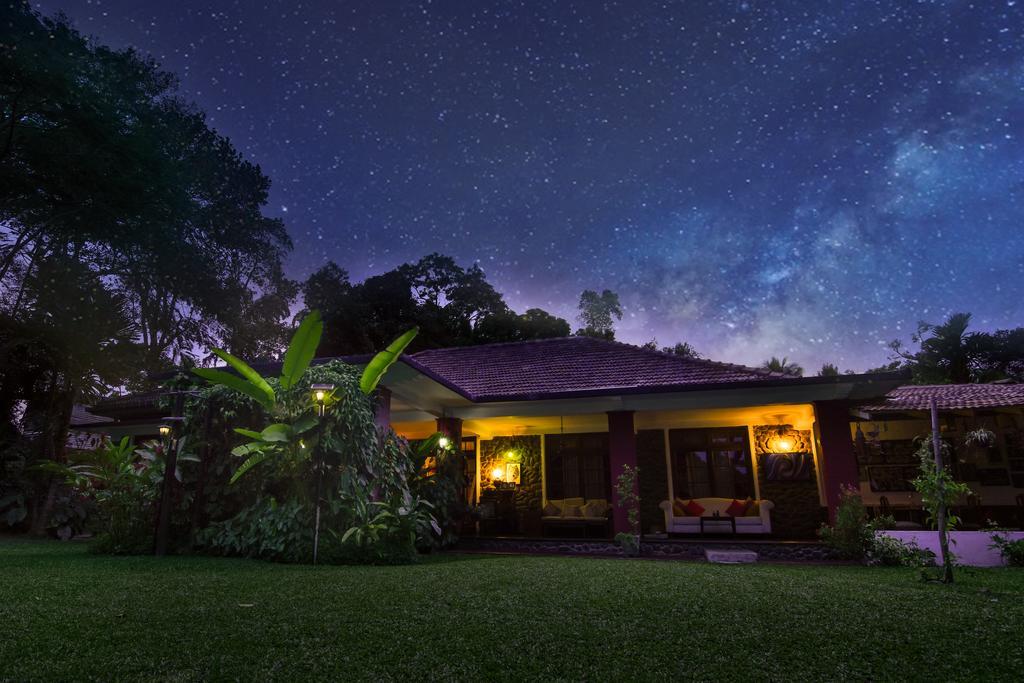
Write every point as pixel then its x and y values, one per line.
pixel 950 354
pixel 102 164
pixel 783 365
pixel 452 305
pixel 598 313
pixel 132 234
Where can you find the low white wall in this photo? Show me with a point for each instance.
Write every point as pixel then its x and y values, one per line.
pixel 969 547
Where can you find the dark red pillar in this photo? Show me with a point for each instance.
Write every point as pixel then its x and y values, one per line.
pixel 836 456
pixel 452 428
pixel 622 452
pixel 382 409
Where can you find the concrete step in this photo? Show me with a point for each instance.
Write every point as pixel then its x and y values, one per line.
pixel 730 556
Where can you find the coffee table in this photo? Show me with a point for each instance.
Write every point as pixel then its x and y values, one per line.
pixel 726 518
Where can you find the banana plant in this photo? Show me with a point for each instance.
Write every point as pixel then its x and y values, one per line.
pixel 301 350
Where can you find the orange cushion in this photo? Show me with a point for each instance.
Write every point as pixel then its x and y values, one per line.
pixel 736 508
pixel 753 508
pixel 694 509
pixel 679 508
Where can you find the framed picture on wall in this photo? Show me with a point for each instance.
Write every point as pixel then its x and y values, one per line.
pixel 513 471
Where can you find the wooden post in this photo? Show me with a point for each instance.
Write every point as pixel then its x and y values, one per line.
pixel 170 467
pixel 940 512
pixel 318 463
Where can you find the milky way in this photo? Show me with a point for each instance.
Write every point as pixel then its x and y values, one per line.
pixel 807 179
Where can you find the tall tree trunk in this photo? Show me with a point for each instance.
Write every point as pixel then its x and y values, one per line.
pixel 54 436
pixel 204 472
pixel 940 513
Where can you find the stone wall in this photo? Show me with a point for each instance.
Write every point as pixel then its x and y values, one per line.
pixel 784 551
pixel 529 494
pixel 650 459
pixel 798 511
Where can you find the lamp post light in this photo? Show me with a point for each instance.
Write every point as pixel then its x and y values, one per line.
pixel 169 431
pixel 321 394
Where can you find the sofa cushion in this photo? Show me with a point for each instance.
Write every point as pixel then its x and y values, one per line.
pixel 570 510
pixel 678 507
pixel 693 508
pixel 595 508
pixel 753 508
pixel 552 509
pixel 748 521
pixel 736 508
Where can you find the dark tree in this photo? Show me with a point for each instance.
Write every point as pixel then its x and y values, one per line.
pixel 102 163
pixel 453 306
pixel 949 354
pixel 598 313
pixel 784 366
pixel 131 233
pixel 828 370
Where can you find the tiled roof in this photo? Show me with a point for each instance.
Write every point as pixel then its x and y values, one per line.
pixel 573 366
pixel 81 417
pixel 950 397
pixel 146 400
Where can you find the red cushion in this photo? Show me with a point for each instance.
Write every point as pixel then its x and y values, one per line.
pixel 736 508
pixel 693 508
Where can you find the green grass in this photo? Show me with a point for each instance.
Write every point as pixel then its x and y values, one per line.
pixel 68 615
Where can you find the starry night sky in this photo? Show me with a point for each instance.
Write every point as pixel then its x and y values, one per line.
pixel 801 178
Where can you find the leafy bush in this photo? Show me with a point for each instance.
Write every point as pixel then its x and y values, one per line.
pixel 122 484
pixel 626 490
pixel 15 486
pixel 1012 551
pixel 385 532
pixel 265 530
pixel 888 551
pixel 436 477
pixel 853 535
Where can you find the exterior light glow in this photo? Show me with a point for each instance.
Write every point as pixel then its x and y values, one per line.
pixel 443 442
pixel 164 430
pixel 498 474
pixel 321 395
pixel 782 444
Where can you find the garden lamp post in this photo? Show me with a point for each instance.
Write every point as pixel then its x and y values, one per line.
pixel 321 396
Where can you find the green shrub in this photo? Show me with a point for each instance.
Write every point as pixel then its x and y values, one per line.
pixel 1012 551
pixel 266 530
pixel 853 535
pixel 891 552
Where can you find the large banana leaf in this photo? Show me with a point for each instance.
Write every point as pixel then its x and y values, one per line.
pixel 301 349
pixel 254 459
pixel 377 367
pixel 305 423
pixel 253 377
pixel 278 433
pixel 238 384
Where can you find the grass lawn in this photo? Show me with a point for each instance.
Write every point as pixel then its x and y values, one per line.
pixel 68 615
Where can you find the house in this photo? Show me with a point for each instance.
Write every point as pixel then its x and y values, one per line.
pixel 885 434
pixel 547 426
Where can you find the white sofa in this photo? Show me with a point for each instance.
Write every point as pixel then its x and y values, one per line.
pixel 761 524
pixel 585 517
